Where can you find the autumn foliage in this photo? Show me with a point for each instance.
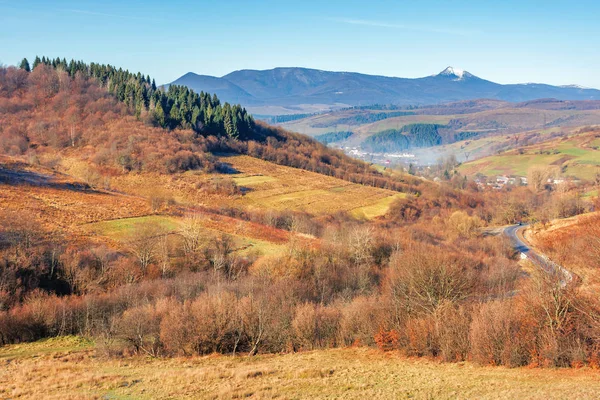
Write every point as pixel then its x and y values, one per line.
pixel 423 280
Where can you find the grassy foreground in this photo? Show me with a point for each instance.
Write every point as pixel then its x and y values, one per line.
pixel 70 368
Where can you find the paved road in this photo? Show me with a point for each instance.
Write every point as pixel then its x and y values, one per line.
pixel 515 234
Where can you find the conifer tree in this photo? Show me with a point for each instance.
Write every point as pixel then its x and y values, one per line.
pixel 36 62
pixel 25 65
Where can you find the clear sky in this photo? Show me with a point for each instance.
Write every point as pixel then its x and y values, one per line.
pixel 506 41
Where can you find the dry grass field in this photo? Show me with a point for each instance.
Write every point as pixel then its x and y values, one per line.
pixel 64 203
pixel 71 368
pixel 278 187
pixel 60 200
pixel 265 186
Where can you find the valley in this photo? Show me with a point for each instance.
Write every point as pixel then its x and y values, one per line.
pixel 151 239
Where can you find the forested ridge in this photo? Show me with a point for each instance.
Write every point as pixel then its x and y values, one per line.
pixel 194 125
pixel 412 135
pixel 332 137
pixel 175 107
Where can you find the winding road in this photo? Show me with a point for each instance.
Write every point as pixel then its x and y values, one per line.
pixel 515 234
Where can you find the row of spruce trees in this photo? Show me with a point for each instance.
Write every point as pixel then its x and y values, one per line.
pixel 173 107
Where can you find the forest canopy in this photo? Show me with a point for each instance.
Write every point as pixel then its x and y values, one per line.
pixel 413 135
pixel 172 107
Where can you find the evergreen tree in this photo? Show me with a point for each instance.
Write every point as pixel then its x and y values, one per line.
pixel 36 62
pixel 25 65
pixel 177 107
pixel 159 115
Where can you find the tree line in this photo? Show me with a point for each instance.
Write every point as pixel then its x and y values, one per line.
pixel 172 107
pixel 178 109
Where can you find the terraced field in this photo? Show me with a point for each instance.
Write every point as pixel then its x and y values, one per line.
pixel 264 186
pixel 283 188
pixel 62 203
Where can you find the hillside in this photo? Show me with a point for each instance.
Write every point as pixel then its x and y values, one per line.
pixel 460 121
pixel 296 88
pixel 576 154
pixel 83 372
pixel 206 232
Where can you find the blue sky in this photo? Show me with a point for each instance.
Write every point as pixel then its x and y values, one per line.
pixel 505 41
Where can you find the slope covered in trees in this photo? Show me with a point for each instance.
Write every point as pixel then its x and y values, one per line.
pixel 177 107
pixel 60 105
pixel 413 135
pixel 423 279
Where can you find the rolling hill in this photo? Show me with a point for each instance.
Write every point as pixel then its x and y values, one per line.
pixel 576 153
pixel 477 126
pixel 155 224
pixel 297 88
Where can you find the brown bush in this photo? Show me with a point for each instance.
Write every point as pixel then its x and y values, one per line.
pixel 502 335
pixel 316 326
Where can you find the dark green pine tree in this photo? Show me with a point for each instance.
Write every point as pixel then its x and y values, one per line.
pixel 36 62
pixel 25 65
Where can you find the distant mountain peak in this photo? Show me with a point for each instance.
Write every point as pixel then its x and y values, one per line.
pixel 282 89
pixel 457 73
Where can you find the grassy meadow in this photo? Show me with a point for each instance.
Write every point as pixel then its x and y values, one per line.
pixel 577 154
pixel 74 368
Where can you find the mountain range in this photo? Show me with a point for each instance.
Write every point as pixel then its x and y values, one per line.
pixel 297 89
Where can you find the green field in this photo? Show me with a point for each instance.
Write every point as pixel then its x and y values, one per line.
pixel 575 155
pixel 122 230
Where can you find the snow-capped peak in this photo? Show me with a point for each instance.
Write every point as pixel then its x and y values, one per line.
pixel 457 73
pixel 453 71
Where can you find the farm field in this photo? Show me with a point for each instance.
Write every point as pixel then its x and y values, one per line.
pixel 79 370
pixel 61 203
pixel 285 188
pixel 265 186
pixel 246 236
pixel 376 210
pixel 59 200
pixel 577 154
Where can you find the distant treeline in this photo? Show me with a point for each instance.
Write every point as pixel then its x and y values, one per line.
pixel 280 119
pixel 458 136
pixel 177 107
pixel 360 119
pixel 413 135
pixel 331 137
pixel 382 107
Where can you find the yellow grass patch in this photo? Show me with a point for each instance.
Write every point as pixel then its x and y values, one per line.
pixel 253 180
pixel 377 209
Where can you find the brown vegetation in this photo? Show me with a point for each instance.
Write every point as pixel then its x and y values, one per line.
pixel 422 280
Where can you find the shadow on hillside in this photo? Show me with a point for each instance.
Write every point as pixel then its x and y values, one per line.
pixel 226 168
pixel 12 177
